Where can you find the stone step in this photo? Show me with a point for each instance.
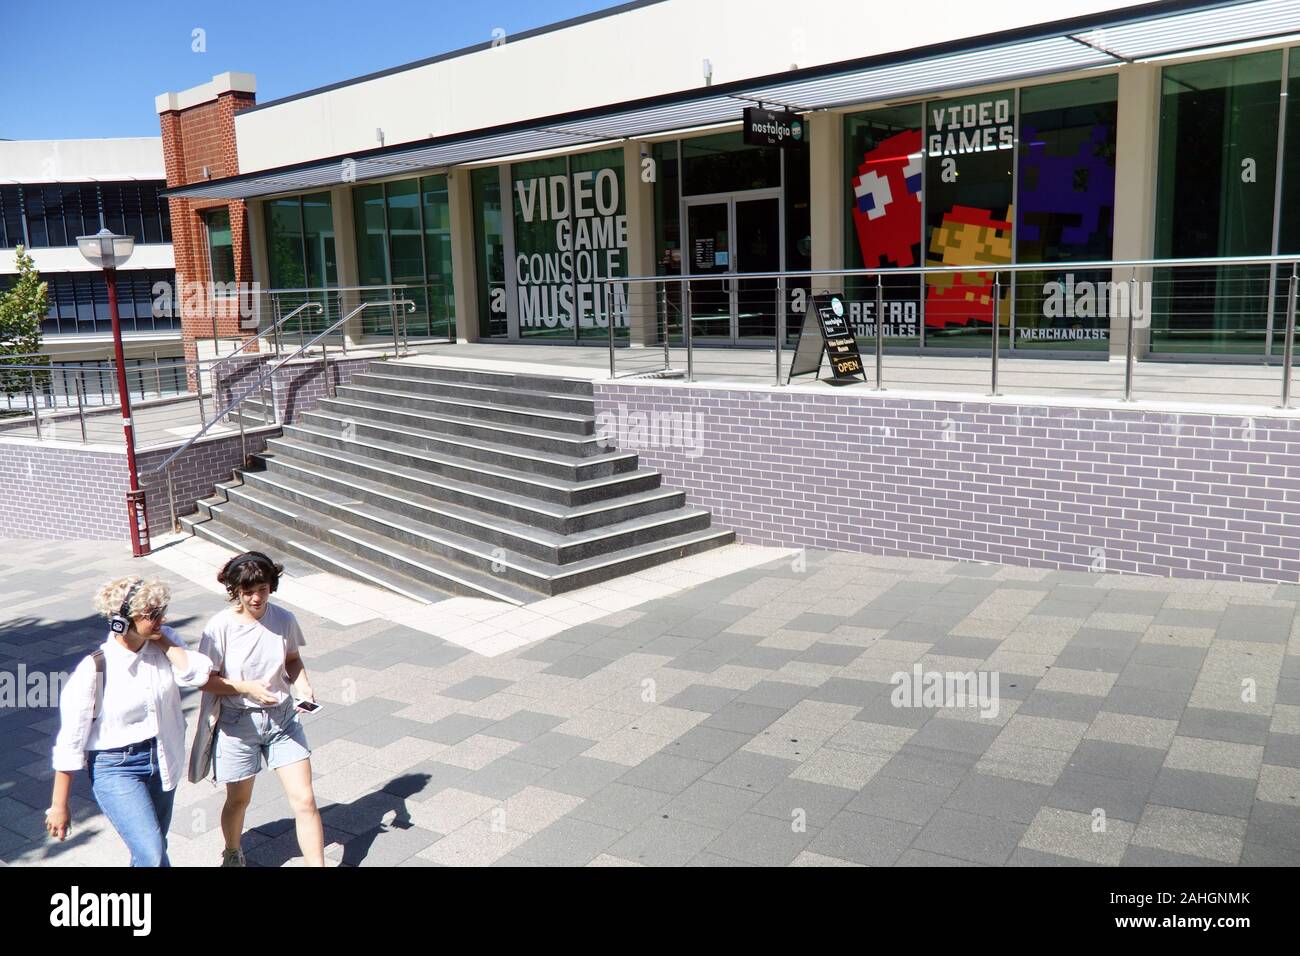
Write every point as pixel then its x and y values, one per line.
pixel 565 423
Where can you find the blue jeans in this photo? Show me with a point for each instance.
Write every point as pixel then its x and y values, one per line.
pixel 127 784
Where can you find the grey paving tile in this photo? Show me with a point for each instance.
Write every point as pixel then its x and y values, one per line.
pixel 1258 854
pixel 1207 792
pixel 752 771
pixel 859 838
pixel 1060 705
pixel 475 688
pixel 568 842
pixel 762 840
pixel 670 645
pixel 1123 761
pixel 894 798
pixel 620 806
pixel 818 802
pixel 1224 725
pixel 503 778
pixel 1085 792
pixel 1149 856
pixel 771 693
pixel 919 632
pixel 523 726
pixel 974 648
pixel 552 749
pixel 454 728
pixel 666 773
pixel 1282 750
pixel 660 842
pixel 703 698
pixel 1149 677
pixel 743 718
pixel 1026 857
pixel 1105 659
pixel 582 776
pixel 713 860
pixel 708 804
pixel 938 768
pixel 1274 824
pixel 764 658
pixel 550 650
pixel 1146 702
pixel 881 710
pixel 980 839
pixel 1169 655
pixel 1012 800
pixel 383 846
pixel 710 744
pixel 1097 638
pixel 1256 623
pixel 825 653
pixel 439 776
pixel 821 623
pixel 963 735
pixel 577 665
pixel 843 690
pixel 914 857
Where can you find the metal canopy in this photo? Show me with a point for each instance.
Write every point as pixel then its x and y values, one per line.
pixel 1106 43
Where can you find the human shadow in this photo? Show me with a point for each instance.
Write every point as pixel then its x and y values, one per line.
pixel 363 817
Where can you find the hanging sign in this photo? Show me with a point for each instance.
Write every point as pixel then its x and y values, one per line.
pixel 770 128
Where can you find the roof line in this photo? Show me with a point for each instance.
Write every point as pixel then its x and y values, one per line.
pixel 1143 12
pixel 463 51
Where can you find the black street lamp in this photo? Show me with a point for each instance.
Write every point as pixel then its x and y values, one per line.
pixel 109 251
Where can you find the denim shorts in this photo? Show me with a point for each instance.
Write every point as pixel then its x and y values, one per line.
pixel 248 739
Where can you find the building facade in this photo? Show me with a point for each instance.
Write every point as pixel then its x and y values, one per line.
pixel 51 192
pixel 502 185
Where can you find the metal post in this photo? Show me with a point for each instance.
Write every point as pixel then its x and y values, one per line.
pixel 215 351
pixel 686 330
pixel 81 411
pixel 325 365
pixel 663 298
pixel 396 348
pixel 243 443
pixel 275 329
pixel 780 323
pixel 604 295
pixel 997 295
pixel 36 409
pixel 198 375
pixel 171 500
pixel 135 498
pixel 1129 349
pixel 1289 341
pixel 880 333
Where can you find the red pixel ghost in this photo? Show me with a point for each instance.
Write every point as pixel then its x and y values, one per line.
pixel 887 201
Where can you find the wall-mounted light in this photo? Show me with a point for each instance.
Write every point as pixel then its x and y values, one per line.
pixel 708 72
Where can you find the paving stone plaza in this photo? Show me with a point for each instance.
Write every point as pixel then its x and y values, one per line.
pixel 754 718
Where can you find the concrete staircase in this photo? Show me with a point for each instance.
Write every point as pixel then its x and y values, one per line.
pixel 436 481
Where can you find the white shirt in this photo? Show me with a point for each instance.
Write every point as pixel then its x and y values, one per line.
pixel 253 651
pixel 141 700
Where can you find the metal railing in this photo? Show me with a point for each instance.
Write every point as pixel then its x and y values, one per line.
pixel 267 379
pixel 1231 301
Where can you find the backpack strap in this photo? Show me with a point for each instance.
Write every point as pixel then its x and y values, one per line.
pixel 101 678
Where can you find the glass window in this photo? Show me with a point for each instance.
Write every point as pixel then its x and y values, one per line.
pixel 221 249
pixel 318 240
pixel 722 163
pixel 372 235
pixel 489 259
pixel 969 151
pixel 883 218
pixel 436 205
pixel 1066 211
pixel 285 244
pixel 1215 197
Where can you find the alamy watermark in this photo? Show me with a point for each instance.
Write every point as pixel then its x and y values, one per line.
pixel 934 689
pixel 655 430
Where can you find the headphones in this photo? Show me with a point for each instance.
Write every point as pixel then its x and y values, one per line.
pixel 119 622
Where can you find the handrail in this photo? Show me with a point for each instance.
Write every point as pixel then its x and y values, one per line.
pixel 266 331
pixel 267 373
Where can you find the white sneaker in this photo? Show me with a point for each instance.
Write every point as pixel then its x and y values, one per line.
pixel 233 858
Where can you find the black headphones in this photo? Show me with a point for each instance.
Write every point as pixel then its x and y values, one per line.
pixel 119 622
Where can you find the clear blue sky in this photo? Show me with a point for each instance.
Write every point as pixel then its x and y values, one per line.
pixel 59 54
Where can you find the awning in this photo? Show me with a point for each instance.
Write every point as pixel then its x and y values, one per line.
pixel 1159 29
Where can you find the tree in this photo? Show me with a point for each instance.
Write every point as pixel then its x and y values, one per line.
pixel 22 309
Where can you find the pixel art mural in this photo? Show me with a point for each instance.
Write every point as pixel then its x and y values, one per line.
pixel 967 237
pixel 1067 192
pixel 887 201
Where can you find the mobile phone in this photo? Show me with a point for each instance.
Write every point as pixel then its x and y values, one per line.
pixel 307 706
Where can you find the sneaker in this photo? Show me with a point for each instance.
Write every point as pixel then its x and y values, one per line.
pixel 233 858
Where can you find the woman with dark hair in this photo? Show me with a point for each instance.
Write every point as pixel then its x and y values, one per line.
pixel 261 683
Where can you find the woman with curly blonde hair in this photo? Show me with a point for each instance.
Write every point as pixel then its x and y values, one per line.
pixel 121 719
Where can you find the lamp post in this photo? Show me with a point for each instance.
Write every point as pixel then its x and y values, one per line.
pixel 108 251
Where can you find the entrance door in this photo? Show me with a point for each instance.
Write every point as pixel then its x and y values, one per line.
pixel 729 236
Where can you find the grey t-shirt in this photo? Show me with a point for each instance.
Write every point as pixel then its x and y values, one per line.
pixel 254 650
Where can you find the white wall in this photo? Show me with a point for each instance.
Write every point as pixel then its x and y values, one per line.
pixel 81 160
pixel 644 52
pixel 70 259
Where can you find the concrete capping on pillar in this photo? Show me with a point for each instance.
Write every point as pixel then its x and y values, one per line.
pixel 1137 137
pixel 464 273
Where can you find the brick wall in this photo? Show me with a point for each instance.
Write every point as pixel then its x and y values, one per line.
pixel 1205 496
pixel 204 136
pixel 299 386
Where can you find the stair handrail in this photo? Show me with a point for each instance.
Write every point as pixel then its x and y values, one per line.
pixel 267 373
pixel 273 327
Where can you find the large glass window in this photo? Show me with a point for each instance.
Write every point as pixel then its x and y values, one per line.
pixel 221 249
pixel 883 227
pixel 570 232
pixel 301 254
pixel 489 258
pixel 436 205
pixel 723 163
pixel 1215 197
pixel 1066 211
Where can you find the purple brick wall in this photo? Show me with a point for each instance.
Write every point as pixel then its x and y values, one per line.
pixel 1187 495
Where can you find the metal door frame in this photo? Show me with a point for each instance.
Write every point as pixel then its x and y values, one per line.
pixel 730 199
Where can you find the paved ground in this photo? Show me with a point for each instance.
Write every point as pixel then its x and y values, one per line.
pixel 749 720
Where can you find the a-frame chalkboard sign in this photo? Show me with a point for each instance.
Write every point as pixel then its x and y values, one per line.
pixel 825 329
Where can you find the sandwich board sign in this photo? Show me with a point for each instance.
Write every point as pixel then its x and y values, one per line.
pixel 826 330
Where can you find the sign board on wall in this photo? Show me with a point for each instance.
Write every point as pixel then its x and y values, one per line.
pixel 770 128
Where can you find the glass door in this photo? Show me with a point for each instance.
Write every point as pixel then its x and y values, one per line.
pixel 708 252
pixel 758 241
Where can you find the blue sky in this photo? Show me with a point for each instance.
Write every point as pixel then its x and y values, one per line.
pixel 60 54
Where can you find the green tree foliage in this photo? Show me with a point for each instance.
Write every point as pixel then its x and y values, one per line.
pixel 22 309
